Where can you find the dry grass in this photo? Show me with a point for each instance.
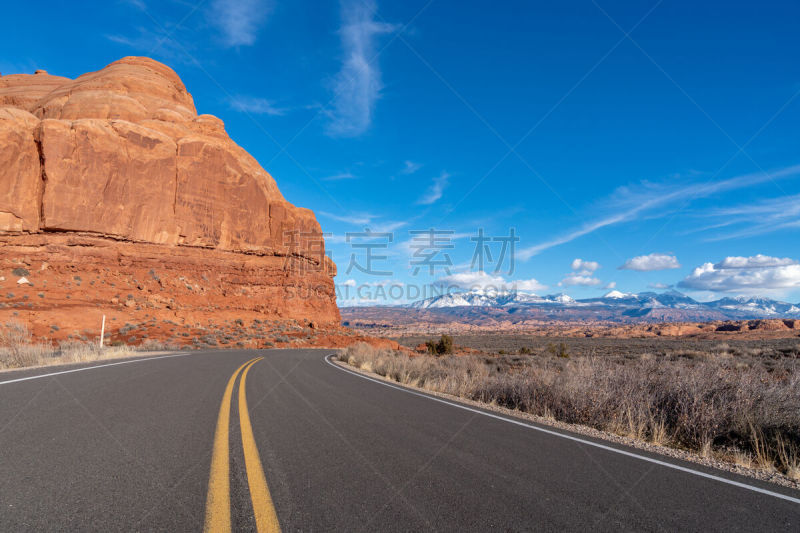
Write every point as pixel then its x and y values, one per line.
pixel 742 409
pixel 17 350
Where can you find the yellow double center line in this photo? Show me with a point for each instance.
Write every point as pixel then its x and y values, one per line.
pixel 218 499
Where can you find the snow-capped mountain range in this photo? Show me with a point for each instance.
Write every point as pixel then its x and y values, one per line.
pixel 740 307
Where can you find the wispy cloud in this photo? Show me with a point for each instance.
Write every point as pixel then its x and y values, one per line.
pixel 657 199
pixel 146 41
pixel 410 167
pixel 255 105
pixel 340 176
pixel 238 21
pixel 390 226
pixel 527 253
pixel 757 218
pixel 138 4
pixel 436 190
pixel 357 219
pixel 365 220
pixel 358 85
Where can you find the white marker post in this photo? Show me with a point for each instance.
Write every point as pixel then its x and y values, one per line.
pixel 102 331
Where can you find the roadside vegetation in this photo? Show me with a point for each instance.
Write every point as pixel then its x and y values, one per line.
pixel 18 350
pixel 444 346
pixel 737 406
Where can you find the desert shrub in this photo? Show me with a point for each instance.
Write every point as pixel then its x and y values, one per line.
pixel 19 271
pixel 16 347
pixel 707 404
pixel 558 350
pixel 153 345
pixel 443 346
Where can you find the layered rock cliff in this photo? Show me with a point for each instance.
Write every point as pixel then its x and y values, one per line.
pixel 115 175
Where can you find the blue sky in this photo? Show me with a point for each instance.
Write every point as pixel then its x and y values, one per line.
pixel 655 142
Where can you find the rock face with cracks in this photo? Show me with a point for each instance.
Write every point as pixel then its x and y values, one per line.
pixel 116 172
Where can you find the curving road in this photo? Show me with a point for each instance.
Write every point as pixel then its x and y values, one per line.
pixel 173 444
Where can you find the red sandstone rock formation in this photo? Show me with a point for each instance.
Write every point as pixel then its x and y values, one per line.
pixel 116 172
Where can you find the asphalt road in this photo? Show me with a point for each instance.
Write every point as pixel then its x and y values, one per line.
pixel 147 446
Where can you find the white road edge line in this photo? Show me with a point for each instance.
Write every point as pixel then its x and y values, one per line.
pixel 145 358
pixel 572 438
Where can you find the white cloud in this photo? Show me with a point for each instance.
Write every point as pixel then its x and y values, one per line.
pixel 349 283
pixel 255 105
pixel 527 285
pixel 482 280
pixel 586 267
pixel 577 279
pixel 659 286
pixel 651 262
pixel 745 275
pixel 436 190
pixel 238 21
pixel 756 261
pixel 468 280
pixel 611 285
pixel 658 199
pixel 582 274
pixel 358 85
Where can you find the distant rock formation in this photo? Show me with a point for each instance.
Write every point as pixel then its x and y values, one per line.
pixel 116 168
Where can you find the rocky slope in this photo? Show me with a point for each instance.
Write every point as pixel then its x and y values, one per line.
pixel 117 198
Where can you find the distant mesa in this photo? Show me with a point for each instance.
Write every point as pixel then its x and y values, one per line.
pixel 115 170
